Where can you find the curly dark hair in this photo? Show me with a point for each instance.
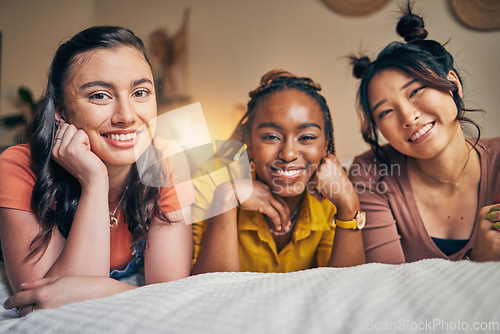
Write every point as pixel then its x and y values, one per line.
pixel 426 60
pixel 56 192
pixel 280 80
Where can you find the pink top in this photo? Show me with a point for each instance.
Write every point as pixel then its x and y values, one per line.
pixel 394 231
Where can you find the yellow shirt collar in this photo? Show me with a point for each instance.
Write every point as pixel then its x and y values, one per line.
pixel 311 217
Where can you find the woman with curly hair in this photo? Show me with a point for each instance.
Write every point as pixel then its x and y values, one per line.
pixel 298 193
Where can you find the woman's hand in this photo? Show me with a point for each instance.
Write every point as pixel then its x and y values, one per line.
pixel 257 197
pixel 263 201
pixel 487 247
pixel 58 291
pixel 331 182
pixel 72 151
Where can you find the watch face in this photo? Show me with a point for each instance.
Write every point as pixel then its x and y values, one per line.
pixel 361 219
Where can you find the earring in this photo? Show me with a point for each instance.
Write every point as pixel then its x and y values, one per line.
pixel 252 166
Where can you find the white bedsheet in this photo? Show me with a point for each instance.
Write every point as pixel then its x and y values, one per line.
pixel 425 296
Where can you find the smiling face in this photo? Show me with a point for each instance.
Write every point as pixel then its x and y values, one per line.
pixel 109 93
pixel 416 120
pixel 287 141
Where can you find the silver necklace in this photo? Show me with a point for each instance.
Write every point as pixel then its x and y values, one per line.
pixel 113 221
pixel 293 218
pixel 292 225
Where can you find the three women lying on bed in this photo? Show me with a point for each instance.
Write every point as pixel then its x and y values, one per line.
pixel 72 204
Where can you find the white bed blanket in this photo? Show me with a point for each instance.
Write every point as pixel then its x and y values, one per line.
pixel 426 296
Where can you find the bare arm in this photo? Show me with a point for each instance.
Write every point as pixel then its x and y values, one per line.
pixel 169 248
pixel 17 230
pixel 220 245
pixel 380 235
pixel 86 251
pixel 77 255
pixel 487 245
pixel 331 182
pixel 58 291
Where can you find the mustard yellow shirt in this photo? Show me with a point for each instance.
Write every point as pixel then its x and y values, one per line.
pixel 309 247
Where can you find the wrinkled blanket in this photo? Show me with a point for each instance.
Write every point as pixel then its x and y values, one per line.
pixel 426 296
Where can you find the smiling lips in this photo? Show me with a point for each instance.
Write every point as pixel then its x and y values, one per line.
pixel 421 132
pixel 122 137
pixel 122 140
pixel 288 175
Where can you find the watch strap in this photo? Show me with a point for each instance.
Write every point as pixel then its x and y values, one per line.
pixel 349 225
pixel 355 224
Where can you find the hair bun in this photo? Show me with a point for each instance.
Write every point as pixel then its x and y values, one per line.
pixel 359 66
pixel 411 27
pixel 274 75
pixel 279 77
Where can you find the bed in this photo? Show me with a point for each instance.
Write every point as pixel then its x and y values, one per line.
pixel 427 296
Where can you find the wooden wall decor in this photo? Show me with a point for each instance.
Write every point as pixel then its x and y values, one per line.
pixel 169 59
pixel 478 14
pixel 356 8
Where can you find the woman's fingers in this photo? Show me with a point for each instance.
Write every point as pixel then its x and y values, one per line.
pixel 493 215
pixel 20 299
pixel 312 188
pixel 72 151
pixel 63 137
pixel 68 135
pixel 29 298
pixel 281 207
pixel 58 138
pixel 263 200
pixel 277 212
pixel 27 309
pixel 38 283
pixel 487 247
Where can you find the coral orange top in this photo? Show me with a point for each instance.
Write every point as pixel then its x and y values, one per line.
pixel 17 175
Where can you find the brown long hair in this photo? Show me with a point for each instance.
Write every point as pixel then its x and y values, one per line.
pixel 56 192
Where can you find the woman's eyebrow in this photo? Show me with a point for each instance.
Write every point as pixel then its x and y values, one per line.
pixel 406 85
pixel 98 83
pixel 140 82
pixel 269 125
pixel 378 104
pixel 309 125
pixel 409 83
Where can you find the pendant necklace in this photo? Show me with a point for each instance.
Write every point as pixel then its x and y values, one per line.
pixel 456 182
pixel 113 221
pixel 293 219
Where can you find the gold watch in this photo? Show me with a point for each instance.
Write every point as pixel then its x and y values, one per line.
pixel 356 224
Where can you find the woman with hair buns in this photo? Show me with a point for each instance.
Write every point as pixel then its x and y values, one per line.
pixel 430 192
pixel 299 187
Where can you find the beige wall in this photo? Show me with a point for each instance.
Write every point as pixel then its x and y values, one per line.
pixel 233 42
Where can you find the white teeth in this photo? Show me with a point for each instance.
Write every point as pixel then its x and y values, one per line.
pixel 123 137
pixel 288 172
pixel 421 132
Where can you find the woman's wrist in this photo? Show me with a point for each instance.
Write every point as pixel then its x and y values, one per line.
pixel 97 183
pixel 223 199
pixel 347 211
pixel 347 207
